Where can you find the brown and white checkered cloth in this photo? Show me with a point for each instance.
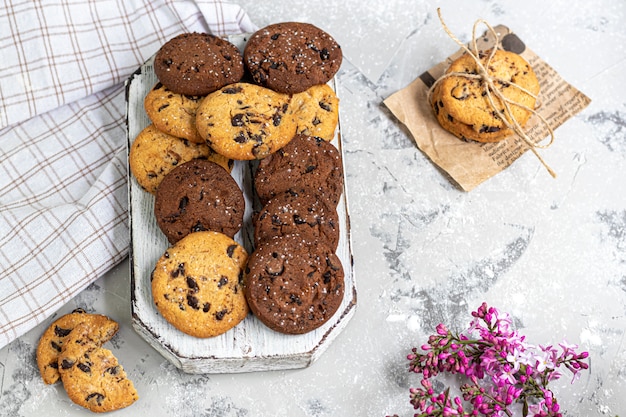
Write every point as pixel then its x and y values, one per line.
pixel 63 166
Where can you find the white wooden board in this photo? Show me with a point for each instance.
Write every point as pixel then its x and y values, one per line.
pixel 250 346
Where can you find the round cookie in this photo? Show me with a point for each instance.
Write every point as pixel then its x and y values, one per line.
pixel 291 57
pixel 246 121
pixel 197 284
pixel 173 113
pixel 292 285
pixel 198 195
pixel 297 213
pixel 462 106
pixel 197 64
pixel 54 338
pixel 317 112
pixel 92 375
pixel 307 162
pixel 154 154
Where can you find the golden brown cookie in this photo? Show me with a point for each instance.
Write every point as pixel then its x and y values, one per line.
pixel 462 106
pixel 54 338
pixel 317 111
pixel 246 121
pixel 173 113
pixel 197 284
pixel 92 375
pixel 154 154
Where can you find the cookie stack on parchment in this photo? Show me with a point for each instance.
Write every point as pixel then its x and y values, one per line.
pixel 270 104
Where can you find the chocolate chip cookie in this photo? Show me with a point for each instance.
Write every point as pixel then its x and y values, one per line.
pixel 92 376
pixel 153 154
pixel 293 285
pixel 306 163
pixel 197 64
pixel 317 112
pixel 54 338
pixel 173 113
pixel 300 213
pixel 246 121
pixel 197 284
pixel 461 104
pixel 291 57
pixel 196 196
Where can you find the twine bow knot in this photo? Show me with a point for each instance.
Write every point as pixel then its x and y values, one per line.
pixel 490 89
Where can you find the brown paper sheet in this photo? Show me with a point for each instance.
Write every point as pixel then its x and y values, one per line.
pixel 470 163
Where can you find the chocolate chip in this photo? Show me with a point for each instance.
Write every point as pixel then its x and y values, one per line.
pixel 240 138
pixel 275 36
pixel 310 168
pixel 298 220
pixel 96 396
pixel 192 284
pixel 66 364
pixel 198 227
pixel 231 90
pixel 221 314
pixel 324 54
pixel 295 299
pixel 180 270
pixel 182 204
pixel 230 250
pixel 489 129
pixel 113 370
pixel 60 332
pixel 237 120
pixel 193 302
pixel 206 307
pixel 163 107
pixel 54 365
pixel 84 367
pixel 223 281
pixel 55 346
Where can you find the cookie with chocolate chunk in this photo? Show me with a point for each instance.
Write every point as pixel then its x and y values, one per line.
pixel 317 112
pixel 54 338
pixel 92 376
pixel 302 213
pixel 291 57
pixel 197 64
pixel 198 195
pixel 293 285
pixel 197 284
pixel 306 163
pixel 153 154
pixel 173 113
pixel 462 105
pixel 246 121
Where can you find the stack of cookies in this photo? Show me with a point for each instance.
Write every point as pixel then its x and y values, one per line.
pixel 215 105
pixel 463 107
pixel 71 350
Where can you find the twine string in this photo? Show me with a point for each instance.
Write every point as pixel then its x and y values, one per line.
pixel 490 89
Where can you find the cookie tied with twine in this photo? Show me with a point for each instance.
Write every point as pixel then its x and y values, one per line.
pixel 487 96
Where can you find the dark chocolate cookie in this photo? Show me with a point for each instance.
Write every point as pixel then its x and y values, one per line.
pixel 290 57
pixel 297 213
pixel 198 195
pixel 197 64
pixel 305 163
pixel 292 285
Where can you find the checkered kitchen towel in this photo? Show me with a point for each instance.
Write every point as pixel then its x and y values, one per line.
pixel 63 195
